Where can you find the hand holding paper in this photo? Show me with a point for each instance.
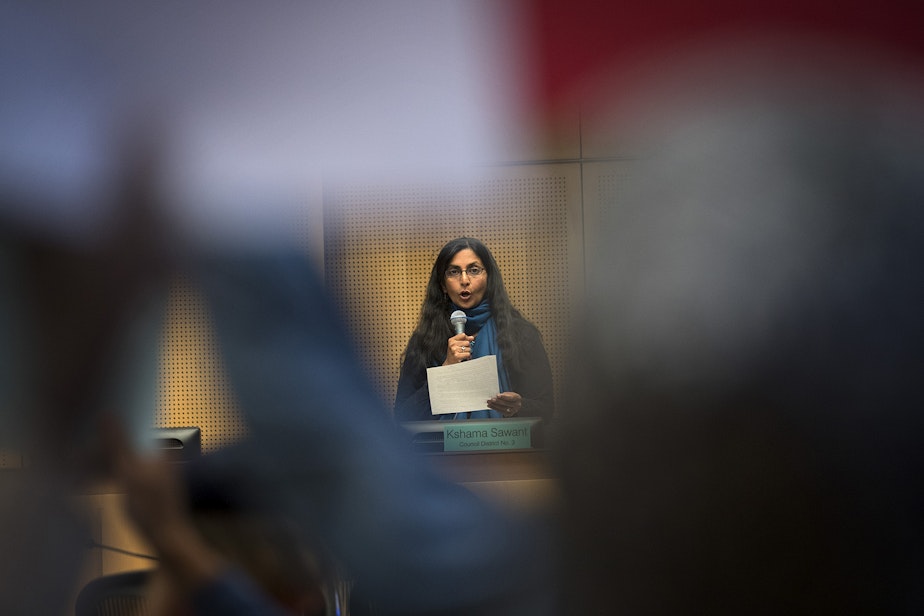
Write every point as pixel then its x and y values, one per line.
pixel 463 387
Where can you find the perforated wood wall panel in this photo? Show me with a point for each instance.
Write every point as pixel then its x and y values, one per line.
pixel 193 388
pixel 381 242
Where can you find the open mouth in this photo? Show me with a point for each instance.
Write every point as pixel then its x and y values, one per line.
pixel 465 294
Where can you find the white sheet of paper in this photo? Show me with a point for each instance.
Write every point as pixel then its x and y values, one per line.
pixel 463 387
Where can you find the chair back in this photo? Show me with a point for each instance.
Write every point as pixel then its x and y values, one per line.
pixel 119 594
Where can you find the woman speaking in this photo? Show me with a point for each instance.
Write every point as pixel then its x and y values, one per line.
pixel 466 277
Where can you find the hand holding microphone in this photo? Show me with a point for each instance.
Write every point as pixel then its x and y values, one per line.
pixel 459 347
pixel 458 320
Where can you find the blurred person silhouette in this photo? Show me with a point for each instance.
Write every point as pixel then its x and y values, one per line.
pixel 325 452
pixel 341 466
pixel 320 444
pixel 466 277
pixel 74 313
pixel 746 436
pixel 85 264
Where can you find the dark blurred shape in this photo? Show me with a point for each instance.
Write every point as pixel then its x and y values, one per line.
pixel 119 594
pixel 72 305
pixel 79 301
pixel 235 515
pixel 746 435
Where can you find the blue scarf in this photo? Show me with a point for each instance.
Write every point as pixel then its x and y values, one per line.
pixel 480 321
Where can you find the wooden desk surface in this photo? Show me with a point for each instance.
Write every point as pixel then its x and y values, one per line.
pixel 474 466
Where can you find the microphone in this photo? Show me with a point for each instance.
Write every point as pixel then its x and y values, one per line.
pixel 458 320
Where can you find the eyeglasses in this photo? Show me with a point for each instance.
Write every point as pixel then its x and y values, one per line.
pixel 473 271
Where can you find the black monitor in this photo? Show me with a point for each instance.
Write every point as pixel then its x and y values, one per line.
pixel 180 444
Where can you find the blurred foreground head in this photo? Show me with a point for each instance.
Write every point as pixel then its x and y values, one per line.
pixel 747 432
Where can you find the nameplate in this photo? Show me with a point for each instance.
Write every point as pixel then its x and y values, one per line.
pixel 487 435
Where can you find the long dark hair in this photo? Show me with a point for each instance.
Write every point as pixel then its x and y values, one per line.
pixel 427 345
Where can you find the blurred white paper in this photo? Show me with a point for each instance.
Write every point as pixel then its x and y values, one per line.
pixel 463 387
